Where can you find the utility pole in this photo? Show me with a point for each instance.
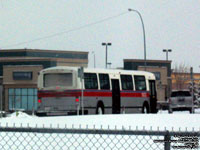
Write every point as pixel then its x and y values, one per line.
pixel 192 80
pixel 94 59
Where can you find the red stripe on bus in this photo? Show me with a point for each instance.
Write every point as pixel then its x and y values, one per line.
pixel 91 94
pixel 98 94
pixel 59 94
pixel 125 94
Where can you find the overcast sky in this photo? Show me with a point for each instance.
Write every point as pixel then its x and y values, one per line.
pixel 169 24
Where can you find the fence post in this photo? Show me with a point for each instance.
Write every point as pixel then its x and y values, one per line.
pixel 167 139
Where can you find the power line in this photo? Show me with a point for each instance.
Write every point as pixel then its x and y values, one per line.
pixel 68 31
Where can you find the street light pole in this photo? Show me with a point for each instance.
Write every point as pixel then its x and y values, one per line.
pixel 192 80
pixel 166 51
pixel 145 60
pixel 94 59
pixel 109 64
pixel 106 44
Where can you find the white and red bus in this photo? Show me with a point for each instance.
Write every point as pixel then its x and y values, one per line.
pixel 62 90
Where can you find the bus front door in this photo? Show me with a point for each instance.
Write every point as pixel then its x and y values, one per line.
pixel 115 96
pixel 153 96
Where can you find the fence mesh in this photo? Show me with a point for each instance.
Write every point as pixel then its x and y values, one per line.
pixel 78 139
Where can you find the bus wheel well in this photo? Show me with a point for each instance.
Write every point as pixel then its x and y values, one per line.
pixel 145 107
pixel 100 106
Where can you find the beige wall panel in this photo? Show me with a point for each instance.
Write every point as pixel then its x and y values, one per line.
pixel 71 64
pixel 8 74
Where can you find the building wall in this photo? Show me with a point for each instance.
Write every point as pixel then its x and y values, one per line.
pixel 132 64
pixel 161 81
pixel 182 80
pixel 72 62
pixel 19 85
pixel 14 62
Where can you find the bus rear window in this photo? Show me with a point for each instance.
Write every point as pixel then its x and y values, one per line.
pixel 58 79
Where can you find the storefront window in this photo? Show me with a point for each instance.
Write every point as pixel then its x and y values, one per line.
pixel 11 92
pixel 11 101
pixel 30 91
pixel 24 102
pixel 18 92
pixel 24 91
pixel 30 102
pixel 22 98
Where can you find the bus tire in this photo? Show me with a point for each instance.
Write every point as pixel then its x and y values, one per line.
pixel 170 111
pixel 41 114
pixel 191 111
pixel 145 108
pixel 100 109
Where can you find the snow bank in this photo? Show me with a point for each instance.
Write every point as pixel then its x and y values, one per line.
pixel 19 114
pixel 161 121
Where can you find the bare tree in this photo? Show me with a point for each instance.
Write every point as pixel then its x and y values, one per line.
pixel 181 76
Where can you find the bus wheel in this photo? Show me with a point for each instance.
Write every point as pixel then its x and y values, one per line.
pixel 145 108
pixel 191 111
pixel 170 111
pixel 100 109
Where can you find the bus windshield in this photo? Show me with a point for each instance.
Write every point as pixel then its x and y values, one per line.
pixel 58 79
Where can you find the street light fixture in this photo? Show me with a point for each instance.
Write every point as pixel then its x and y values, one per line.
pixel 106 44
pixel 145 63
pixel 166 51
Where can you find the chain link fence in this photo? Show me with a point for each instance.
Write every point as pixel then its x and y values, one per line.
pixel 79 139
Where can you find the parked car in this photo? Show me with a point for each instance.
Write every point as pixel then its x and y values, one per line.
pixel 181 100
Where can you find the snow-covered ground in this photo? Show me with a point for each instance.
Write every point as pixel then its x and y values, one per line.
pixel 178 121
pixel 161 121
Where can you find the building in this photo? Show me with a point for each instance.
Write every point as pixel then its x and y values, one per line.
pixel 181 81
pixel 19 69
pixel 162 71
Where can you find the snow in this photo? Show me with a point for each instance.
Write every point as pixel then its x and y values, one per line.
pixel 19 114
pixel 161 121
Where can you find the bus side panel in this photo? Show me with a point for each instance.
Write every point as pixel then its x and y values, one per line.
pixel 131 101
pixel 132 104
pixel 94 97
pixel 90 104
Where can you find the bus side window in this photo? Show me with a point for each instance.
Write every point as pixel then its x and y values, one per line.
pixel 127 82
pixel 140 83
pixel 90 80
pixel 104 81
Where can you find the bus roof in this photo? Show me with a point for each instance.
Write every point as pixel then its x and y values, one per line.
pixel 101 70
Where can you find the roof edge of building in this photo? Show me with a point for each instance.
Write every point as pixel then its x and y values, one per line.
pixel 42 50
pixel 148 60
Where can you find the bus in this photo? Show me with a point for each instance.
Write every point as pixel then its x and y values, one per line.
pixel 66 90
